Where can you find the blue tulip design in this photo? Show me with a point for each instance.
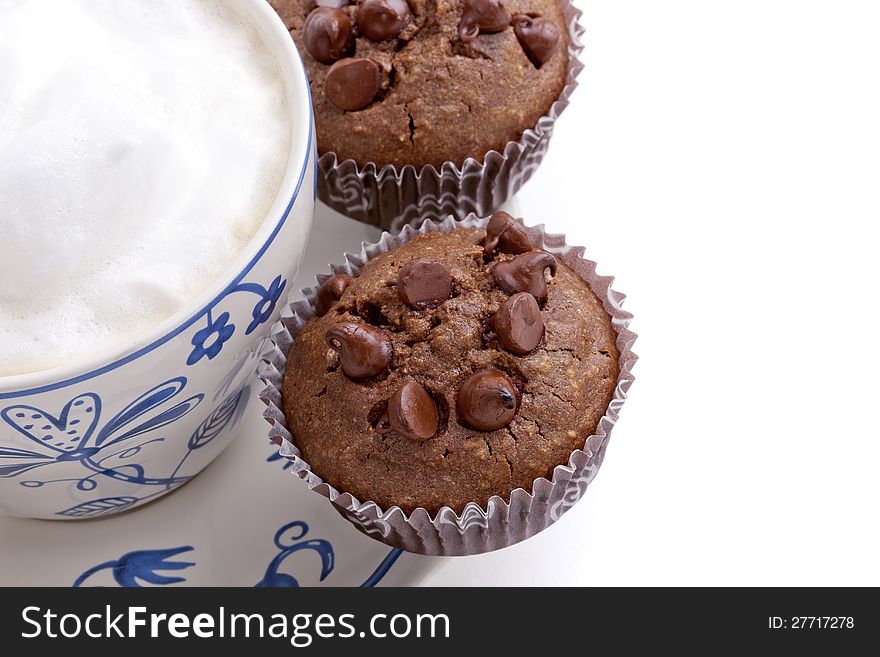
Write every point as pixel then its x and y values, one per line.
pixel 142 565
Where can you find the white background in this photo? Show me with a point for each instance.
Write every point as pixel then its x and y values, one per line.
pixel 722 160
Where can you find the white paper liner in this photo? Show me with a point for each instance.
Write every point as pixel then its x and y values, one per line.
pixel 391 198
pixel 477 529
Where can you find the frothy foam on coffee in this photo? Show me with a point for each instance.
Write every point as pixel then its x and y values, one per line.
pixel 142 143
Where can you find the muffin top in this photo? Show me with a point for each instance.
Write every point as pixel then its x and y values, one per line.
pixel 427 81
pixel 456 367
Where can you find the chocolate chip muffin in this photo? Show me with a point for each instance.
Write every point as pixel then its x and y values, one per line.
pixel 427 81
pixel 458 366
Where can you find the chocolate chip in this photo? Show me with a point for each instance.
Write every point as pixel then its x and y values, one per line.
pixel 364 351
pixel 330 292
pixel 486 400
pixel 525 273
pixel 537 35
pixel 382 19
pixel 412 412
pixel 505 235
pixel 353 83
pixel 423 283
pixel 519 324
pixel 328 34
pixel 333 4
pixel 482 17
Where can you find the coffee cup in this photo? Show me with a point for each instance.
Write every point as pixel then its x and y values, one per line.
pixel 114 429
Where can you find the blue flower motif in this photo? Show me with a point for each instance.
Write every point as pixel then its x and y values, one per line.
pixel 142 565
pixel 76 435
pixel 209 340
pixel 266 305
pixel 133 568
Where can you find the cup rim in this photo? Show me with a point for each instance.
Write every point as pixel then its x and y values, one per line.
pixel 277 39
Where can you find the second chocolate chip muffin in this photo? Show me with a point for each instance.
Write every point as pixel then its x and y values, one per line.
pixel 427 81
pixel 461 365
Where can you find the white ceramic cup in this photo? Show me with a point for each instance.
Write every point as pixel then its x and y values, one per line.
pixel 127 426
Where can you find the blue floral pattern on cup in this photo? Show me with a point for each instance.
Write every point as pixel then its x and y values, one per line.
pixel 75 433
pixel 74 436
pixel 209 340
pixel 264 308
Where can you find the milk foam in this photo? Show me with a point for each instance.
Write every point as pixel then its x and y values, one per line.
pixel 142 143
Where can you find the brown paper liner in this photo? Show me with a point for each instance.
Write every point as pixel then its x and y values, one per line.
pixel 391 198
pixel 477 529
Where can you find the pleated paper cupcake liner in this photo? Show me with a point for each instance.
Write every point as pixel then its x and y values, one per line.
pixel 390 197
pixel 477 529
